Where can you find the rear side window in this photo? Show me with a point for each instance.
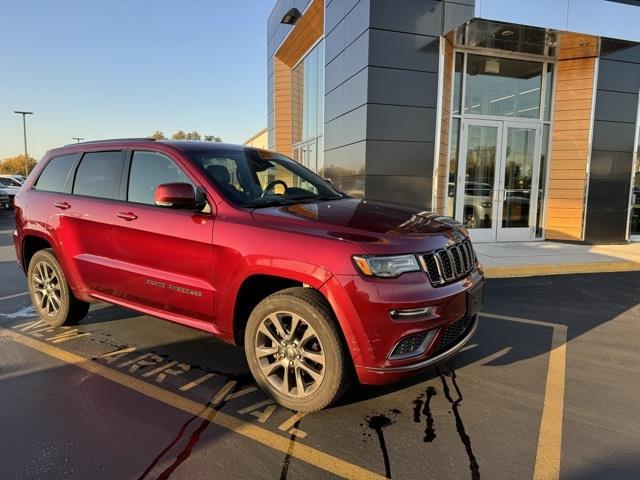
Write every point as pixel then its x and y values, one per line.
pixel 148 170
pixel 98 175
pixel 54 176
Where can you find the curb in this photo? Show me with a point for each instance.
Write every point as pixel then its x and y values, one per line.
pixel 561 269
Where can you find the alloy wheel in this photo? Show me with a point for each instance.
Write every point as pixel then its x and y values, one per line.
pixel 47 288
pixel 290 354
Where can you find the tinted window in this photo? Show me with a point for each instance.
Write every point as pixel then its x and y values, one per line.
pixel 99 175
pixel 148 170
pixel 55 173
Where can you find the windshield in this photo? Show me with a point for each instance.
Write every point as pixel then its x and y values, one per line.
pixel 249 178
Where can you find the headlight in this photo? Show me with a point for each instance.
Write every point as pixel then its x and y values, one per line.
pixel 386 267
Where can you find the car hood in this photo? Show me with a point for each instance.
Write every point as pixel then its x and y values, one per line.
pixel 378 227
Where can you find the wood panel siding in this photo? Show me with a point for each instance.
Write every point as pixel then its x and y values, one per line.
pixel 442 183
pixel 283 112
pixel 307 31
pixel 570 136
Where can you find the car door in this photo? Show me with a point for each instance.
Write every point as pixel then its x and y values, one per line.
pixel 165 255
pixel 85 220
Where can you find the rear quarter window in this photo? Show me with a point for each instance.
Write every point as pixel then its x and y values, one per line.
pixel 55 174
pixel 98 175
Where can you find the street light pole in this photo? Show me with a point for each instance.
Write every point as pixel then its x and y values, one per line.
pixel 24 132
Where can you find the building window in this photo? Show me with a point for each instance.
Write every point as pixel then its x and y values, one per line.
pixel 502 87
pixel 308 109
pixel 634 217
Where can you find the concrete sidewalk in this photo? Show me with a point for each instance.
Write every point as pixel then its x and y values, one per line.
pixel 525 259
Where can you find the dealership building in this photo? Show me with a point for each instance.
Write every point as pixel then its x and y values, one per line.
pixel 518 118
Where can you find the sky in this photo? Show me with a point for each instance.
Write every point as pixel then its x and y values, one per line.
pixel 125 68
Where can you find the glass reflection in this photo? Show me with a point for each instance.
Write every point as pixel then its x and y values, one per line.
pixel 544 155
pixel 480 176
pixel 634 227
pixel 502 87
pixel 517 176
pixel 450 207
pixel 457 83
pixel 307 104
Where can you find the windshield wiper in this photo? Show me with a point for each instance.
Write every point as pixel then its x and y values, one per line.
pixel 314 197
pixel 271 202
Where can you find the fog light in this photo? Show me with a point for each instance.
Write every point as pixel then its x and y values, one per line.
pixel 413 345
pixel 409 313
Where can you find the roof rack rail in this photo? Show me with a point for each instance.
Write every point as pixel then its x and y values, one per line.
pixel 116 140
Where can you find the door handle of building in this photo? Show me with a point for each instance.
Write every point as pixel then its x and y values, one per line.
pixel 128 216
pixel 62 205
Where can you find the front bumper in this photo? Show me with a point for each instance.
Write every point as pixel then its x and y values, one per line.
pixel 363 309
pixel 431 361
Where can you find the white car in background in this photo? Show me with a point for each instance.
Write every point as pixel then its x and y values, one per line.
pixel 18 178
pixel 9 186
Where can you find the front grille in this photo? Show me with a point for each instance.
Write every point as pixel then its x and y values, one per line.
pixel 452 334
pixel 449 264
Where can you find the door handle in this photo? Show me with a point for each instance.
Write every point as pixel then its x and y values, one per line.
pixel 62 205
pixel 128 216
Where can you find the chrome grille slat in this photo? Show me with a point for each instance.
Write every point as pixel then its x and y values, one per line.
pixel 465 256
pixel 458 260
pixel 449 264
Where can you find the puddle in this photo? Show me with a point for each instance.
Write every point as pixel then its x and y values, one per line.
pixel 378 423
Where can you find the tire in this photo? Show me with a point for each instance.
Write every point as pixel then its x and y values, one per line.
pixel 46 283
pixel 313 356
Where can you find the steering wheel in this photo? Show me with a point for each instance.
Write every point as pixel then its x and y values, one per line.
pixel 273 184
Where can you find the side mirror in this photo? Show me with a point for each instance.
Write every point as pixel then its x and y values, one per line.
pixel 177 195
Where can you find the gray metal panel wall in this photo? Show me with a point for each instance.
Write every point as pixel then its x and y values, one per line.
pixel 614 131
pixel 276 33
pixel 381 83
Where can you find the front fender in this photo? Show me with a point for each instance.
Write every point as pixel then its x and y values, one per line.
pixel 231 279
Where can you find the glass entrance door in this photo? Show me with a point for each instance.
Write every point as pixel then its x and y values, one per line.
pixel 499 165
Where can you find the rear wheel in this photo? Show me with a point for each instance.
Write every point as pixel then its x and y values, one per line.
pixel 50 294
pixel 295 351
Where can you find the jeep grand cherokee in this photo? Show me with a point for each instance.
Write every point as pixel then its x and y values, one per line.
pixel 251 246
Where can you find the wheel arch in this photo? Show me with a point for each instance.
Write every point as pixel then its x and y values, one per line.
pixel 253 289
pixel 32 243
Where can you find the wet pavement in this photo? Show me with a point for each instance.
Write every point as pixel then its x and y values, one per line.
pixel 124 395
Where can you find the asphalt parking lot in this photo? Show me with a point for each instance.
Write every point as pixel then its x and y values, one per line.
pixel 547 389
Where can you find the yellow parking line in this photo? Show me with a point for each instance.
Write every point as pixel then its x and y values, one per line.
pixel 559 269
pixel 549 450
pixel 312 456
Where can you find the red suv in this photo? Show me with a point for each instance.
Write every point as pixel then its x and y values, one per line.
pixel 254 248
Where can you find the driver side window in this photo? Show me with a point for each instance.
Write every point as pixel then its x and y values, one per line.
pixel 148 170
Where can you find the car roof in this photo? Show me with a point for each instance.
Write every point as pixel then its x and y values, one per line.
pixel 132 143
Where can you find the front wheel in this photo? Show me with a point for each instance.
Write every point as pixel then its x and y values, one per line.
pixel 295 352
pixel 50 294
